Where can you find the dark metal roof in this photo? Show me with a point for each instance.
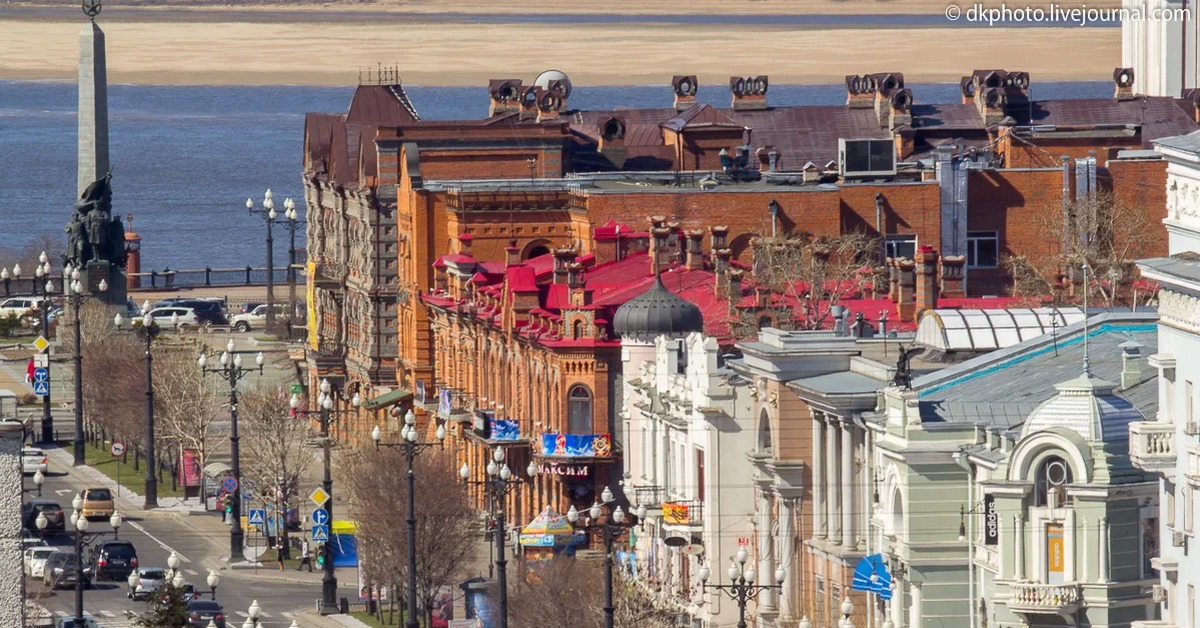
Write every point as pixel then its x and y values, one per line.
pixel 383 105
pixel 657 311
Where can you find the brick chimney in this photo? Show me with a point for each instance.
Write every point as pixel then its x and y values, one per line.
pixel 529 101
pixel 695 254
pixel 905 288
pixel 952 276
pixel 612 140
pixel 966 85
pixel 675 243
pixel 1131 363
pixel 549 105
pixel 720 237
pixel 464 243
pixel 1123 83
pixel 991 94
pixel 721 259
pixel 512 255
pixel 893 278
pixel 685 87
pixel 505 96
pixel 607 245
pixel 927 284
pixel 860 91
pixel 660 251
pixel 734 288
pixel 900 111
pixel 562 259
pixel 749 93
pixel 579 295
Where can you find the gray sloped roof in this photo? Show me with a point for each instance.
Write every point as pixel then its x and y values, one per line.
pixel 657 311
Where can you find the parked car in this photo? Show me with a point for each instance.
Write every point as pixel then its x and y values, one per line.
pixel 29 540
pixel 97 503
pixel 33 459
pixel 21 306
pixel 150 579
pixel 113 560
pixel 203 612
pixel 55 519
pixel 189 592
pixel 211 311
pixel 35 561
pixel 61 570
pixel 256 318
pixel 248 307
pixel 69 622
pixel 165 317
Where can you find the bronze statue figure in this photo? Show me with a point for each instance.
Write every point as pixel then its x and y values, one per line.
pixel 903 377
pixel 94 234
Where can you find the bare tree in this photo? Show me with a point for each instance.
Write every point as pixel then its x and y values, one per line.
pixel 799 277
pixel 570 592
pixel 1104 233
pixel 186 404
pixel 28 255
pixel 274 454
pixel 447 528
pixel 114 384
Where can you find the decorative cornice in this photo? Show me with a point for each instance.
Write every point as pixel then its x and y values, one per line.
pixel 1179 310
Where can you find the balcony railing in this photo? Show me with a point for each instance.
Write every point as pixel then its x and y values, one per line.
pixel 1060 599
pixel 651 496
pixel 1152 446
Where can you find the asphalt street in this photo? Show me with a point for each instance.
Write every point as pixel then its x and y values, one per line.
pixel 203 542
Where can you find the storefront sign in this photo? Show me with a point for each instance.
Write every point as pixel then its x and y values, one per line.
pixel 675 513
pixel 419 394
pixel 577 445
pixel 991 521
pixel 567 470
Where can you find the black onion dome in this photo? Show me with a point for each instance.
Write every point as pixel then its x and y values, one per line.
pixel 657 311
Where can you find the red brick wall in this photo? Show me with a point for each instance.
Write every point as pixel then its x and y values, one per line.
pixel 1143 185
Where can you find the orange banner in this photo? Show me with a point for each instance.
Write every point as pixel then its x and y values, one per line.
pixel 675 513
pixel 1055 550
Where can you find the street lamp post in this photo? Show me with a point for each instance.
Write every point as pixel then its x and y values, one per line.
pixel 411 448
pixel 213 581
pixel 148 330
pixel 268 213
pixel 327 414
pixel 289 212
pixel 232 371
pixel 82 538
pixel 499 484
pixel 741 587
pixel 614 526
pixel 42 271
pixel 75 289
pixel 252 615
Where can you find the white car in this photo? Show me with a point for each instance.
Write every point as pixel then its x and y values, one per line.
pixel 256 318
pixel 21 306
pixel 150 579
pixel 35 560
pixel 32 460
pixel 165 316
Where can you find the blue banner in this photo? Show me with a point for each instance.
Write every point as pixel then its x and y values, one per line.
pixel 505 429
pixel 577 445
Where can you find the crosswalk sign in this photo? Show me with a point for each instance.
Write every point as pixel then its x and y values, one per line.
pixel 257 517
pixel 41 382
pixel 320 534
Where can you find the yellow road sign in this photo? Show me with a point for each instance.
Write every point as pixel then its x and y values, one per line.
pixel 319 496
pixel 41 343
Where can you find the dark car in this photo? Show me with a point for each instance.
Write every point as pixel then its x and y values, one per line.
pixel 203 612
pixel 55 520
pixel 210 311
pixel 62 569
pixel 113 560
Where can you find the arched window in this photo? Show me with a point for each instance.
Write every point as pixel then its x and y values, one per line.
pixel 579 406
pixel 1052 477
pixel 577 329
pixel 764 433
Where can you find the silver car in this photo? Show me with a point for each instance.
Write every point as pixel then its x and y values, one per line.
pixel 150 579
pixel 33 460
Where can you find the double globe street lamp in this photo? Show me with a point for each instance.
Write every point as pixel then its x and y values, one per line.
pixel 741 588
pixel 409 435
pixel 499 484
pixel 78 294
pixel 82 538
pixel 612 527
pixel 327 414
pixel 231 370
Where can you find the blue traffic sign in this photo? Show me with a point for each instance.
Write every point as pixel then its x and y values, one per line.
pixel 41 381
pixel 229 484
pixel 320 517
pixel 257 517
pixel 320 534
pixel 41 374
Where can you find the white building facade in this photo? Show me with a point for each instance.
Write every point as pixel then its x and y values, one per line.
pixel 1159 43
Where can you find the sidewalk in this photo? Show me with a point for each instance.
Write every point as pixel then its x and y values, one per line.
pixel 127 501
pixel 312 619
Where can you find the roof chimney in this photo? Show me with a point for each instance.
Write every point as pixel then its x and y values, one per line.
pixel 612 139
pixel 1123 81
pixel 904 289
pixel 549 104
pixel 562 259
pixel 927 285
pixel 512 256
pixel 685 87
pixel 660 254
pixel 1131 363
pixel 505 95
pixel 749 93
pixel 860 91
pixel 952 276
pixel 734 291
pixel 695 254
pixel 720 235
pixel 900 111
pixel 464 243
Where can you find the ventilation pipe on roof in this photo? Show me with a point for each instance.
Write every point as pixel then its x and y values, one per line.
pixel 839 324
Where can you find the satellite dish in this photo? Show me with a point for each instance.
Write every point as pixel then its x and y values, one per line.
pixel 693 549
pixel 543 81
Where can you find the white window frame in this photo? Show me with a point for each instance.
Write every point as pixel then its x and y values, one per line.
pixel 973 239
pixel 890 242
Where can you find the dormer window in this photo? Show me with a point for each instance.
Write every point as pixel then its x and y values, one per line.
pixel 1050 484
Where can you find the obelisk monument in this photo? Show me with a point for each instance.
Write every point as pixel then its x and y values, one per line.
pixel 93 101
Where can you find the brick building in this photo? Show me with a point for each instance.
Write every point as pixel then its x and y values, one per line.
pixel 389 194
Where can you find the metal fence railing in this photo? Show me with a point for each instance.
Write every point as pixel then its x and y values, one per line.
pixel 210 277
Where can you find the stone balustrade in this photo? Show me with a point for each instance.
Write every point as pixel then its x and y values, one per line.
pixel 1152 446
pixel 1028 597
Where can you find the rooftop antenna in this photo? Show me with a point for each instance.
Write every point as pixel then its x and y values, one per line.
pixel 1087 367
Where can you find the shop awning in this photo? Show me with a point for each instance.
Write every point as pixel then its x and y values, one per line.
pixel 387 399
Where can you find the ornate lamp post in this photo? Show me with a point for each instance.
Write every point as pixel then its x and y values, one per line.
pixel 741 587
pixel 411 448
pixel 82 538
pixel 269 215
pixel 76 292
pixel 213 581
pixel 232 371
pixel 499 484
pixel 289 212
pixel 148 329
pixel 252 615
pixel 42 271
pixel 327 413
pixel 612 527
